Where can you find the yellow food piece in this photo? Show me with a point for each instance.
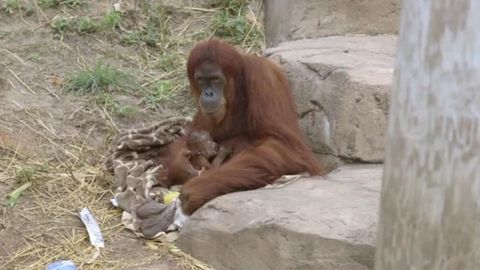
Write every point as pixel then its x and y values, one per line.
pixel 170 197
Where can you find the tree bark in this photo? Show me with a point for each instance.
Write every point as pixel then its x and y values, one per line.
pixel 430 206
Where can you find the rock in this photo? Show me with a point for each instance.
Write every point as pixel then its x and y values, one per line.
pixel 341 85
pixel 3 82
pixel 320 18
pixel 315 223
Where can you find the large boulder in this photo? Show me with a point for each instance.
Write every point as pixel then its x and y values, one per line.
pixel 341 85
pixel 315 223
pixel 300 19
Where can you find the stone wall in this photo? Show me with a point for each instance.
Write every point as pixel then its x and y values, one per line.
pixel 287 20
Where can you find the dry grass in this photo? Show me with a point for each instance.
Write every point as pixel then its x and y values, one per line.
pixel 60 187
pixel 42 224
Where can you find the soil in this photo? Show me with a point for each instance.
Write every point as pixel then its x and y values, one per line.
pixel 42 126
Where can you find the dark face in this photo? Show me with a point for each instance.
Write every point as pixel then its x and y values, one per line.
pixel 210 82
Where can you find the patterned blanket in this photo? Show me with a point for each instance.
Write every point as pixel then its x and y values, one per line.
pixel 135 159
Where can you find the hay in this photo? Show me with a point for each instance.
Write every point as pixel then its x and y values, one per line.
pixel 60 187
pixel 44 226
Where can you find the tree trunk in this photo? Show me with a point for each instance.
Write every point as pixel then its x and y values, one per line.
pixel 430 212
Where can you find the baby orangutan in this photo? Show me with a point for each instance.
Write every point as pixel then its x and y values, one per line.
pixel 196 152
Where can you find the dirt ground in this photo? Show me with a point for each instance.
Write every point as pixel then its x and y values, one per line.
pixel 53 135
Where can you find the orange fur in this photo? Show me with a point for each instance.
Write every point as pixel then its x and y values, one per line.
pixel 260 125
pixel 191 155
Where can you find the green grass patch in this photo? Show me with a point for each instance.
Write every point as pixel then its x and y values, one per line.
pixel 147 37
pixel 15 195
pixel 26 176
pixel 86 25
pixel 34 57
pixel 103 81
pixel 234 22
pixel 12 6
pixel 125 111
pixel 160 92
pixel 110 20
pixel 169 60
pixel 100 78
pixel 62 3
pixel 61 26
pixel 82 25
pixel 107 101
pixel 157 30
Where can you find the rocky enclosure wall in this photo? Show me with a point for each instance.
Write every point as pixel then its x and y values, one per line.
pixel 301 19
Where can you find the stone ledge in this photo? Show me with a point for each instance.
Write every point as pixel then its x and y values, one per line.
pixel 315 223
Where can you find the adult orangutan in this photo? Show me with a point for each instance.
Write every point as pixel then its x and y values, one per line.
pixel 244 102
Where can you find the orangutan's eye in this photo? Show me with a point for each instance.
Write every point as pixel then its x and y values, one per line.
pixel 200 80
pixel 216 80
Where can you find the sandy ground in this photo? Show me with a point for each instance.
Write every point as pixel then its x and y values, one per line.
pixel 54 140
